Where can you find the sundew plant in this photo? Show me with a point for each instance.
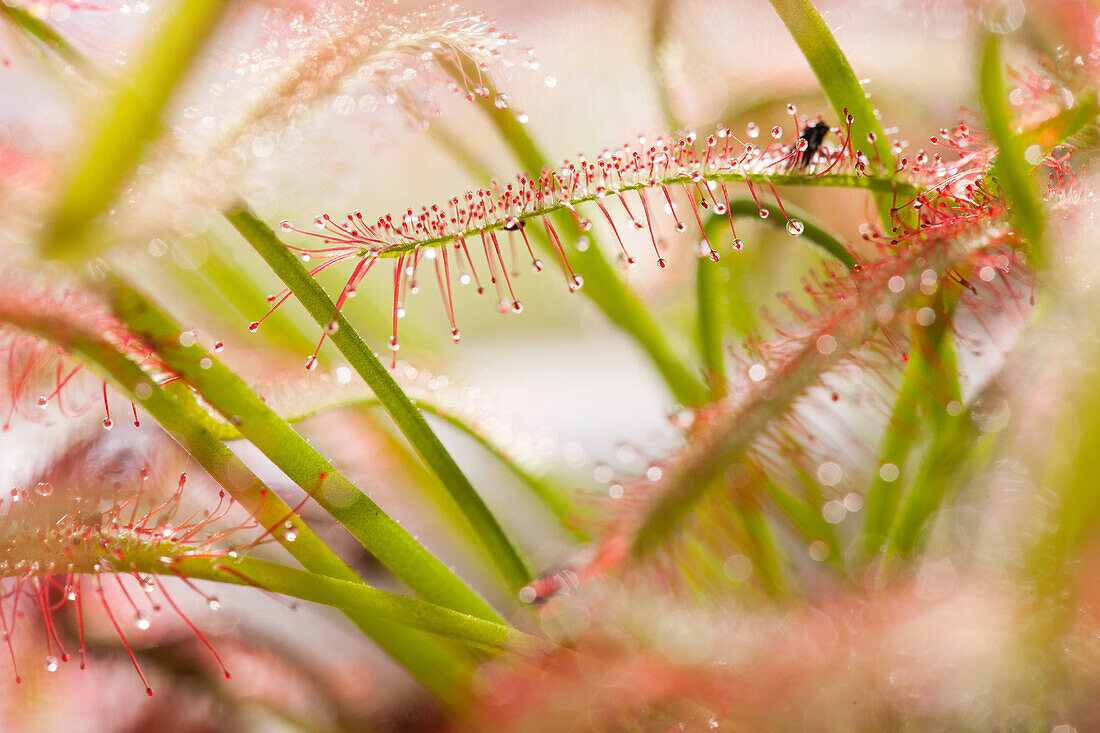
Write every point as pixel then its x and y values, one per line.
pixel 340 392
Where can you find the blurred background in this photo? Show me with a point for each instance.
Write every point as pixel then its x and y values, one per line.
pixel 558 388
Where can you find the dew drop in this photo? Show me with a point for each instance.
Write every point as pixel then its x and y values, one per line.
pixel 517 307
pixel 551 81
pixel 218 346
pixel 764 213
pixel 791 109
pixel 213 603
pixel 455 335
pixel 738 244
pixel 661 263
pixel 51 664
pixel 752 130
pixel 285 225
pixel 714 256
pixel 537 265
pixel 777 132
pixel 252 327
pixel 290 532
pixel 43 488
pixel 141 620
pixel 108 423
pixel 311 363
pixel 681 226
pixel 43 402
pixel 578 283
pixel 586 225
pixel 719 208
pixel 395 345
pixel 332 327
pixel 500 101
pixel 795 227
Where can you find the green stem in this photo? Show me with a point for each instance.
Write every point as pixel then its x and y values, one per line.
pixel 840 85
pixel 564 221
pixel 407 418
pixel 225 391
pixel 38 30
pixel 362 599
pixel 134 118
pixel 710 319
pixel 1011 169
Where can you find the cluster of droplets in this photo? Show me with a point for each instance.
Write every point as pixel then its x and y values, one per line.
pixel 58 545
pixel 951 191
pixel 493 225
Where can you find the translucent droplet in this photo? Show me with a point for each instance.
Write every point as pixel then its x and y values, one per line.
pixel 395 344
pixel 719 208
pixel 43 402
pixel 661 263
pixel 500 101
pixel 551 81
pixel 332 327
pixel 213 603
pixel 577 283
pixel 252 327
pixel 43 488
pixel 752 130
pixel 586 225
pixel 108 423
pixel 517 307
pixel 285 225
pixel 218 346
pixel 795 227
pixel 791 109
pixel 141 620
pixel 738 244
pixel 51 664
pixel 455 335
pixel 777 132
pixel 680 226
pixel 537 265
pixel 290 532
pixel 714 256
pixel 311 363
pixel 764 213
